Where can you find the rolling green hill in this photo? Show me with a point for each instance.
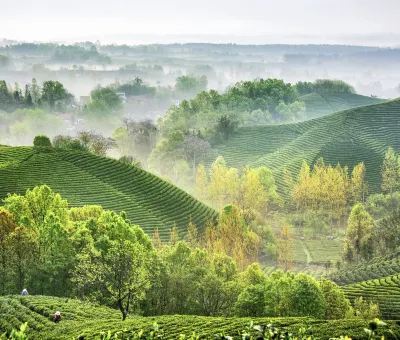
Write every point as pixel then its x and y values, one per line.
pixel 83 320
pixel 348 137
pixel 321 104
pixel 85 179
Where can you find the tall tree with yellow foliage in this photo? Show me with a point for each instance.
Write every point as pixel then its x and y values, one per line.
pixel 284 248
pixel 156 239
pixel 302 189
pixel 390 173
pixel 192 235
pixel 201 183
pixel 173 236
pixel 224 184
pixel 217 189
pixel 232 237
pixel 252 194
pixel 358 188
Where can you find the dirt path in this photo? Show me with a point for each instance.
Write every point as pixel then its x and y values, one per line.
pixel 307 252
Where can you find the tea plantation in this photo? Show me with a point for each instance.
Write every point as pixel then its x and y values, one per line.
pixel 385 291
pixel 379 267
pixel 358 135
pixel 85 179
pixel 321 104
pixel 86 321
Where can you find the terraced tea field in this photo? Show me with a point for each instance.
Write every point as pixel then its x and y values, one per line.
pixel 358 135
pixel 322 104
pixel 85 179
pixel 88 320
pixel 324 251
pixel 380 267
pixel 385 291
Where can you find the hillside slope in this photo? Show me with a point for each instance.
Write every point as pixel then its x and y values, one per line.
pixel 85 179
pixel 84 320
pixel 348 137
pixel 322 104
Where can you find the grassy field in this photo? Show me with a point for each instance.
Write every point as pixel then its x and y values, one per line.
pixel 322 104
pixel 84 179
pixel 358 135
pixel 88 320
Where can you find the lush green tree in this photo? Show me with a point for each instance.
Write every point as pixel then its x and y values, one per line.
pixel 329 86
pixel 307 298
pixel 217 116
pixel 36 91
pixel 167 155
pixel 23 260
pixel 68 142
pixel 118 265
pixel 135 87
pixel 314 224
pixel 268 182
pixel 139 138
pixel 225 127
pixel 55 95
pixel 191 84
pixel 358 243
pixel 253 275
pixel 304 87
pixel 57 256
pixel 337 306
pixel 104 101
pixel 33 208
pixel 278 296
pixel 7 226
pixel 291 112
pixel 251 301
pixel 217 291
pixel 85 213
pixel 6 99
pixel 366 309
pixel 381 205
pixel 387 234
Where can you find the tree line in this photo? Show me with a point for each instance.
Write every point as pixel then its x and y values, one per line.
pixel 50 95
pixel 100 255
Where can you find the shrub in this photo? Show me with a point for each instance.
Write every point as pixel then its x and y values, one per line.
pixel 42 141
pixel 67 142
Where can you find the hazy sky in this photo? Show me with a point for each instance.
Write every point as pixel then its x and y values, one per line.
pixel 75 19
